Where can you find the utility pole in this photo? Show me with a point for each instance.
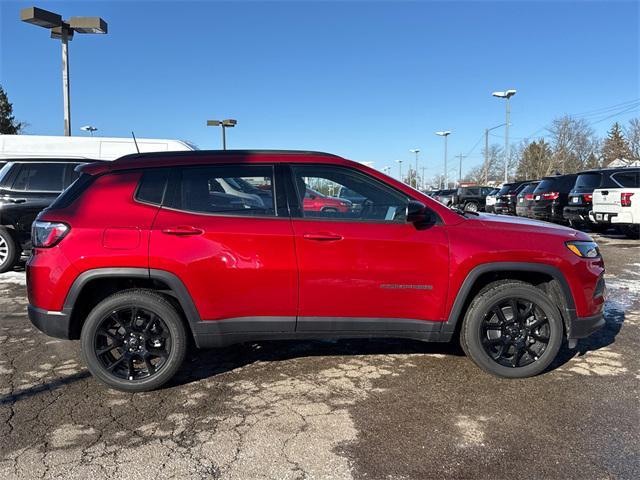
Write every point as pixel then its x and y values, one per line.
pixel 460 157
pixel 399 169
pixel 424 183
pixel 486 156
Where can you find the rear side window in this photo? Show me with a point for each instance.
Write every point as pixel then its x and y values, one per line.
pixel 627 179
pixel 231 190
pixel 71 194
pixel 152 186
pixel 40 177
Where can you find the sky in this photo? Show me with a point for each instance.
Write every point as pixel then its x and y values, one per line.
pixel 365 80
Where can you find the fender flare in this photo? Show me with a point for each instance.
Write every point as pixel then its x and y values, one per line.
pixel 178 289
pixel 476 272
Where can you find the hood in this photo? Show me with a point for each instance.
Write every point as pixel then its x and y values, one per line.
pixel 504 222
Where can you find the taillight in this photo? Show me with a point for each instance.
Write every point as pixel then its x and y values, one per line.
pixel 47 234
pixel 528 196
pixel 551 195
pixel 625 199
pixel 588 197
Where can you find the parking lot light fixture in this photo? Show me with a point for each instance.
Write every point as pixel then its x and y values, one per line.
pixel 417 152
pixel 445 134
pixel 63 30
pixel 89 128
pixel 399 162
pixel 507 94
pixel 228 123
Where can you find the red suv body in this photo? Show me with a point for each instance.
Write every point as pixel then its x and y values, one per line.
pixel 317 202
pixel 140 254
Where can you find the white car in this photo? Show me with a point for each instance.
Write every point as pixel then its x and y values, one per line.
pixel 619 206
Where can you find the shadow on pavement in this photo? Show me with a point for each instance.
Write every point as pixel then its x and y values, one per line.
pixel 43 387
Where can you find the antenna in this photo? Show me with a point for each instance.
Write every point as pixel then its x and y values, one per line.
pixel 135 141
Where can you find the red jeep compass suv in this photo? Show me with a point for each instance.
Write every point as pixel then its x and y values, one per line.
pixel 142 254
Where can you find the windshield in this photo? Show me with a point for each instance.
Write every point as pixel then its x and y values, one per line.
pixel 504 190
pixel 545 185
pixel 529 188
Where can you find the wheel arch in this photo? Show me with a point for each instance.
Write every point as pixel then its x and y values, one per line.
pixel 547 277
pixel 93 286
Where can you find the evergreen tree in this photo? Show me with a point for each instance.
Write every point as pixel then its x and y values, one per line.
pixel 536 161
pixel 8 124
pixel 615 146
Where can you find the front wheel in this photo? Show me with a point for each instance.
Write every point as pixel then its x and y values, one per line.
pixel 512 330
pixel 133 341
pixel 471 207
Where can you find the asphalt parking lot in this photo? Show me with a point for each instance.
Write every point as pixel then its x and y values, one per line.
pixel 346 409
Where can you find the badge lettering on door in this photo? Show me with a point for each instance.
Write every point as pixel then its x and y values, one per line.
pixel 394 286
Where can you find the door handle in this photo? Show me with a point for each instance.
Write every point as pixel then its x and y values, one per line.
pixel 17 200
pixel 323 237
pixel 183 230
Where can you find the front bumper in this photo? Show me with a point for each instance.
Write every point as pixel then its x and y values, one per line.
pixel 582 327
pixel 54 324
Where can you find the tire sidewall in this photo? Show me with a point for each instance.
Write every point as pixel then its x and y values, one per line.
pixel 12 250
pixel 473 324
pixel 152 302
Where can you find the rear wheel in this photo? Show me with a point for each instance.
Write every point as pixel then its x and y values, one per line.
pixel 134 341
pixel 9 251
pixel 512 330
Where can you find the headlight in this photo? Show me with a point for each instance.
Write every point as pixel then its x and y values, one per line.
pixel 584 249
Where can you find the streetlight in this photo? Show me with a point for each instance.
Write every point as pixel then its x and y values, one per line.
pixel 228 123
pixel 63 30
pixel 445 134
pixel 416 151
pixel 89 128
pixel 486 151
pixel 399 169
pixel 506 95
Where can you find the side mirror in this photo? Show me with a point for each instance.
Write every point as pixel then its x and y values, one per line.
pixel 419 214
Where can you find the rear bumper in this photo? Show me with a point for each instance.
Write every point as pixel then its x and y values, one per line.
pixel 576 214
pixel 582 327
pixel 550 213
pixel 54 324
pixel 505 208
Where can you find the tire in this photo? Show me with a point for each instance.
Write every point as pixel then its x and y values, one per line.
pixel 471 207
pixel 630 231
pixel 9 251
pixel 161 338
pixel 329 210
pixel 482 338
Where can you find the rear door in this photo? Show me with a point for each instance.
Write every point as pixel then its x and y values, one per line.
pixel 365 268
pixel 234 255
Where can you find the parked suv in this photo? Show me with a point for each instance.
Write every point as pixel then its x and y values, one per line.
pixel 619 206
pixel 27 187
pixel 506 197
pixel 524 200
pixel 581 196
pixel 551 196
pixel 470 199
pixel 490 200
pixel 139 257
pixel 445 197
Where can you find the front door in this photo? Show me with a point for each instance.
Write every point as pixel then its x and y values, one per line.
pixel 362 266
pixel 234 252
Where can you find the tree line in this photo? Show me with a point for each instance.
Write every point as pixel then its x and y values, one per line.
pixel 571 146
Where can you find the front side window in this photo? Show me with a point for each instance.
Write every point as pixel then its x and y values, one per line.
pixel 339 193
pixel 40 177
pixel 627 179
pixel 231 190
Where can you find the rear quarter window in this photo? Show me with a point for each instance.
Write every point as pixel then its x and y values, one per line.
pixel 152 186
pixel 627 179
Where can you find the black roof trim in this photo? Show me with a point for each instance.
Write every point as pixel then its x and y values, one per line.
pixel 610 170
pixel 222 153
pixel 49 160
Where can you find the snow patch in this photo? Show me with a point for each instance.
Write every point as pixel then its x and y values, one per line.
pixel 17 278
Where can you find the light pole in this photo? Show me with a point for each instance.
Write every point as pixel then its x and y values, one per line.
pixel 89 128
pixel 445 134
pixel 228 123
pixel 506 95
pixel 486 151
pixel 460 156
pixel 63 30
pixel 417 152
pixel 399 169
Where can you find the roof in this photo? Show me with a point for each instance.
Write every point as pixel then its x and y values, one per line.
pixel 50 160
pixel 199 157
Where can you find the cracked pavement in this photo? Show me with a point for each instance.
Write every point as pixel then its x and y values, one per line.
pixel 380 409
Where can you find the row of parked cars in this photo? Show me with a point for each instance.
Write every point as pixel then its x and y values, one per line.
pixel 594 199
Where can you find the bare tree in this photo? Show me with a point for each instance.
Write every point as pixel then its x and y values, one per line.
pixel 632 132
pixel 573 143
pixel 536 160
